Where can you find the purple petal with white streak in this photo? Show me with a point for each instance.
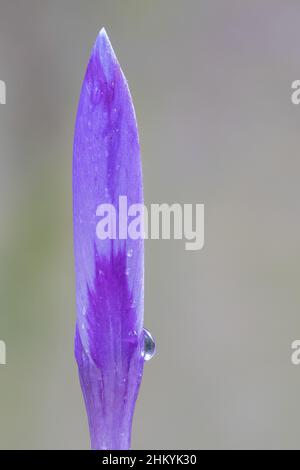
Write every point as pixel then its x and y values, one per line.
pixel 109 273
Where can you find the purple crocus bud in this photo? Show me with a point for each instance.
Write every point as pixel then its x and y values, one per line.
pixel 109 340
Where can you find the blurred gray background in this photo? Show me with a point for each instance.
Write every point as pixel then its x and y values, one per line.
pixel 211 87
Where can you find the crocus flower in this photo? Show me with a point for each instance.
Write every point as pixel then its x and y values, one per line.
pixel 110 339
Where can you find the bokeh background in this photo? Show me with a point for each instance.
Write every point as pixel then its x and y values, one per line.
pixel 211 82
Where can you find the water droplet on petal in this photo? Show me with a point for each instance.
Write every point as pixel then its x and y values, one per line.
pixel 129 253
pixel 149 345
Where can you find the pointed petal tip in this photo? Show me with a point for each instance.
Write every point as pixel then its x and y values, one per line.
pixel 103 32
pixel 105 52
pixel 103 41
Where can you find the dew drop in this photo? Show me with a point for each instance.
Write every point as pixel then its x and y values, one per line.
pixel 129 253
pixel 149 345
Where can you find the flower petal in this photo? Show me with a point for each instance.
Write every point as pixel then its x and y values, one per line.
pixel 109 273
